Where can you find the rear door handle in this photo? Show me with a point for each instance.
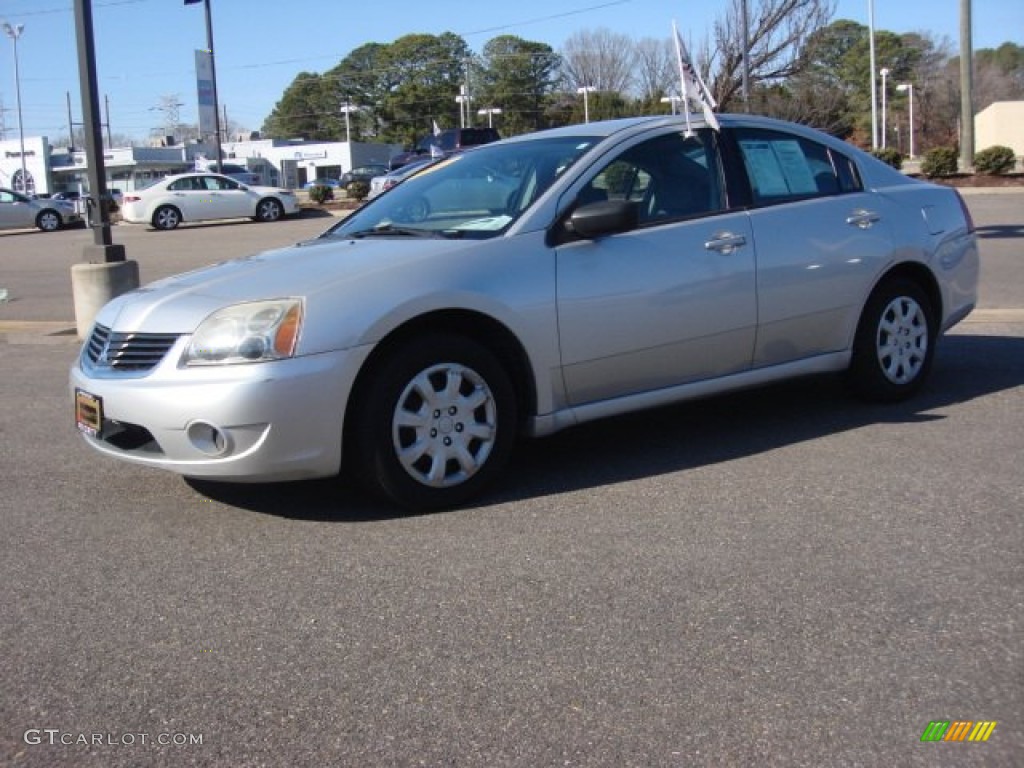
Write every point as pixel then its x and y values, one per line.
pixel 863 219
pixel 725 242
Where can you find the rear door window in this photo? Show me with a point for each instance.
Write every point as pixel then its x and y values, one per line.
pixel 783 167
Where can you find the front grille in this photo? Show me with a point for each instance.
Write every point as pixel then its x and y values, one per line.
pixel 127 351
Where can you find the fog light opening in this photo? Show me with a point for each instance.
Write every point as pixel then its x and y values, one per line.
pixel 208 439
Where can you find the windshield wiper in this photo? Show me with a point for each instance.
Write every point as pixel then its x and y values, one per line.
pixel 390 230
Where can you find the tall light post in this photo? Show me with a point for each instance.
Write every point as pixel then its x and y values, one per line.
pixel 874 86
pixel 909 88
pixel 463 101
pixel 490 112
pixel 585 90
pixel 347 109
pixel 884 72
pixel 673 100
pixel 14 32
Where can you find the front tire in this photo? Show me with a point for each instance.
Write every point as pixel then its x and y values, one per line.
pixel 895 342
pixel 269 209
pixel 436 422
pixel 166 217
pixel 49 221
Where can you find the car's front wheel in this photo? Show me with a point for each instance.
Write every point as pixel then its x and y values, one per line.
pixel 166 217
pixel 895 342
pixel 436 422
pixel 48 220
pixel 269 209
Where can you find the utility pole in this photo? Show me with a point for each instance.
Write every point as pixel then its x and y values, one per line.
pixel 966 88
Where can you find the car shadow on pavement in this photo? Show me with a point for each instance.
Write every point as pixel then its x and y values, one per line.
pixel 674 438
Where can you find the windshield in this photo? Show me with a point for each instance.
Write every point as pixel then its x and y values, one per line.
pixel 474 194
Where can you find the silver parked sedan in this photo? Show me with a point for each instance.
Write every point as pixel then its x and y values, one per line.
pixel 17 211
pixel 527 286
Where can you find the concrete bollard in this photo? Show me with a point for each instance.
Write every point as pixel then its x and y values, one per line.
pixel 93 285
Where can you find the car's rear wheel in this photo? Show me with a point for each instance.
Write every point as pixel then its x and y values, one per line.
pixel 166 217
pixel 269 209
pixel 895 342
pixel 436 422
pixel 48 220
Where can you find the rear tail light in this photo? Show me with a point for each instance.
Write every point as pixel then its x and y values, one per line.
pixel 967 213
pixel 131 199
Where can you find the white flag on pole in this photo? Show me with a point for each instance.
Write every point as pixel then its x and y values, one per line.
pixel 691 86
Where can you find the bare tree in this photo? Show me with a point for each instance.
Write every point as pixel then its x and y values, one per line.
pixel 777 32
pixel 654 62
pixel 599 59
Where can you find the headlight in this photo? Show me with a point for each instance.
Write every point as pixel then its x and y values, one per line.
pixel 246 333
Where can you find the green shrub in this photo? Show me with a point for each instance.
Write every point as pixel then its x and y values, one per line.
pixel 320 194
pixel 889 156
pixel 357 190
pixel 941 161
pixel 995 160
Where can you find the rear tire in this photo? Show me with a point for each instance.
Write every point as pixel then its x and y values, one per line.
pixel 895 342
pixel 166 217
pixel 436 422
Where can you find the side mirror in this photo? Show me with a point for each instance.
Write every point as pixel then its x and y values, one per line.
pixel 606 217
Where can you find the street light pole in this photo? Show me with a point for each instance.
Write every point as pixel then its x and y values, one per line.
pixel 874 86
pixel 884 72
pixel 909 87
pixel 346 110
pixel 14 32
pixel 585 90
pixel 490 112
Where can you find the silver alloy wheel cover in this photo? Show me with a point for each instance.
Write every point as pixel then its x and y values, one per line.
pixel 902 340
pixel 49 221
pixel 444 425
pixel 269 210
pixel 167 218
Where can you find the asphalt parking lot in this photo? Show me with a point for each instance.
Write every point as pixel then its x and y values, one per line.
pixel 783 577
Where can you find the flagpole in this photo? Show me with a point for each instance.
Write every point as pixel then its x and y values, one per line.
pixel 683 90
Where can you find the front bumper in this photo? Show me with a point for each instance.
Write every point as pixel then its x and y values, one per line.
pixel 259 422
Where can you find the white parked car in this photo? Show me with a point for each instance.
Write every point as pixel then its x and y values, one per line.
pixel 204 196
pixel 527 286
pixel 20 212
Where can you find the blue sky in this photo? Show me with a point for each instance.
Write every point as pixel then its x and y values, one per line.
pixel 145 48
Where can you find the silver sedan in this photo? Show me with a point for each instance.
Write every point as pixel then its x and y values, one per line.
pixel 20 212
pixel 524 287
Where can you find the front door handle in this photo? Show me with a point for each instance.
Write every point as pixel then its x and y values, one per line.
pixel 725 242
pixel 862 219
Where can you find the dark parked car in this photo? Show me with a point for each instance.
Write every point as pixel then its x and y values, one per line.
pixel 445 143
pixel 363 173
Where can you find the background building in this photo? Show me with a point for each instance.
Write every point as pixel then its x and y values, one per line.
pixel 277 162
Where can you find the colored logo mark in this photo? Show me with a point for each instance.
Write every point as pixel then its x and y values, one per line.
pixel 958 730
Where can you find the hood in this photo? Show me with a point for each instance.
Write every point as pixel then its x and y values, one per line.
pixel 314 270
